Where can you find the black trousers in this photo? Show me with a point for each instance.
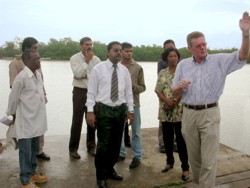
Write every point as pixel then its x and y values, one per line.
pixel 79 108
pixel 168 130
pixel 110 125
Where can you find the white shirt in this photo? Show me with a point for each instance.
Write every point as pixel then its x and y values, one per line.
pixel 27 102
pixel 99 86
pixel 81 69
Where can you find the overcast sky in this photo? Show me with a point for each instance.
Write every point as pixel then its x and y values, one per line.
pixel 140 22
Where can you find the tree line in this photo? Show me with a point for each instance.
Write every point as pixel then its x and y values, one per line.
pixel 63 49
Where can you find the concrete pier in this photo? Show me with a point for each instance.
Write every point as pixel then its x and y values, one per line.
pixel 233 167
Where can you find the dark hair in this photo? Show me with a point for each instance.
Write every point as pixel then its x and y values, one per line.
pixel 27 54
pixel 167 42
pixel 111 44
pixel 193 35
pixel 165 54
pixel 28 43
pixel 126 45
pixel 84 39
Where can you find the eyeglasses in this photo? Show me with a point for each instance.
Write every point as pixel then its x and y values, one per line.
pixel 116 50
pixel 201 45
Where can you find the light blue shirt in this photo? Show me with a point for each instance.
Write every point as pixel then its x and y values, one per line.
pixel 208 78
pixel 99 86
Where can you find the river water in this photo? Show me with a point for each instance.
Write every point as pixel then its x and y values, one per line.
pixel 234 103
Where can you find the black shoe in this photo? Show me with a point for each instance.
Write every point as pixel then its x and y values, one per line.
pixel 128 144
pixel 92 152
pixel 120 158
pixel 74 155
pixel 185 176
pixel 102 184
pixel 43 156
pixel 135 162
pixel 115 176
pixel 167 168
pixel 162 149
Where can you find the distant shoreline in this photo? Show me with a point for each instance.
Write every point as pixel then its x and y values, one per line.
pixel 49 59
pixel 42 59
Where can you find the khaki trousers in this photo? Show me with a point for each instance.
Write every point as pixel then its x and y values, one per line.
pixel 200 129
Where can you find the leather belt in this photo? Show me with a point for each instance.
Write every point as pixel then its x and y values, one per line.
pixel 201 107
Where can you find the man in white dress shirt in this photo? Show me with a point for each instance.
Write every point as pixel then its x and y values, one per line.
pixel 107 110
pixel 27 105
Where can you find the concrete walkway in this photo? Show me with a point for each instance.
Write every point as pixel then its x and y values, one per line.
pixel 233 167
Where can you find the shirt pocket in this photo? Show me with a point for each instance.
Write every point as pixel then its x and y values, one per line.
pixel 212 76
pixel 31 90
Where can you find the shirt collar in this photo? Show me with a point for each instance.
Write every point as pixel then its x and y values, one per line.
pixel 82 55
pixel 206 58
pixel 132 62
pixel 28 71
pixel 110 64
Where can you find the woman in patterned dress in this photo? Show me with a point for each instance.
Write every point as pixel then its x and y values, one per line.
pixel 170 113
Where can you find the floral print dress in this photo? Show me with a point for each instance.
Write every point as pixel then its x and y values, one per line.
pixel 163 85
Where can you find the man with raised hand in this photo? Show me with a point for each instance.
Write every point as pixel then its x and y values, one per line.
pixel 200 80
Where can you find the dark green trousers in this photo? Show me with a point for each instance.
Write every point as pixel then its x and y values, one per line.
pixel 110 125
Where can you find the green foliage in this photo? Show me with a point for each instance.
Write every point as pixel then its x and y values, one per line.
pixel 9 49
pixel 185 53
pixel 64 48
pixel 100 50
pixel 60 50
pixel 147 53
